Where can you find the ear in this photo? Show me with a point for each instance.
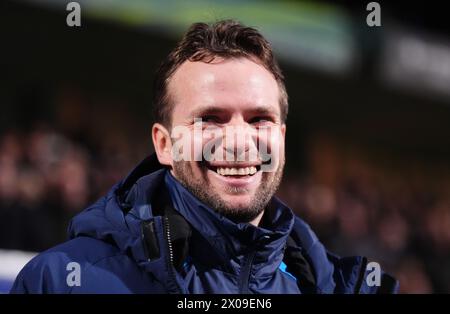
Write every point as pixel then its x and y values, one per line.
pixel 283 130
pixel 163 144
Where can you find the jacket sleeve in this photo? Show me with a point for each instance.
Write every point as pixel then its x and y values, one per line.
pixel 357 275
pixel 373 280
pixel 386 285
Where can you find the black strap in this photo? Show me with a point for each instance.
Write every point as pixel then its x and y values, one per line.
pixel 180 229
pixel 299 266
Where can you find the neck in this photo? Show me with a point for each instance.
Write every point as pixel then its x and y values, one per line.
pixel 255 222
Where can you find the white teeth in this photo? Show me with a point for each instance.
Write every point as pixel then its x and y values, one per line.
pixel 237 171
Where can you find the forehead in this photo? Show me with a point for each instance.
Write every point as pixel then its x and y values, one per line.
pixel 230 84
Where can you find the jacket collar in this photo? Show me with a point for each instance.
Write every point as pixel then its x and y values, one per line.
pixel 232 243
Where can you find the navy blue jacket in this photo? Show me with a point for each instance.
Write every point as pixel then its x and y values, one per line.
pixel 121 245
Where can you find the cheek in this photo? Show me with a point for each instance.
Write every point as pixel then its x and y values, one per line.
pixel 271 148
pixel 211 141
pixel 197 145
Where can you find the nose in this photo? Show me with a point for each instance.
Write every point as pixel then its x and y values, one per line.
pixel 240 142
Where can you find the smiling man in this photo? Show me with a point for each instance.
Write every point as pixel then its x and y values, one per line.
pixel 200 216
pixel 233 98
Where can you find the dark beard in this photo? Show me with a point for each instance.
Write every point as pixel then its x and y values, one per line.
pixel 268 187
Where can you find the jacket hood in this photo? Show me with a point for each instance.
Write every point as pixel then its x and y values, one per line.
pixel 116 218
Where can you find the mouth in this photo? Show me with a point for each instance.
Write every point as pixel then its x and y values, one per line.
pixel 244 176
pixel 235 170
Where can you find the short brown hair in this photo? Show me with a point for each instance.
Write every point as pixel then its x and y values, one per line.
pixel 204 42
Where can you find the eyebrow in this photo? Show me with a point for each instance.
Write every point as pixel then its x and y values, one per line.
pixel 206 110
pixel 264 110
pixel 268 110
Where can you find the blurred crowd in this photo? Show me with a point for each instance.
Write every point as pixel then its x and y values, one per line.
pixel 46 177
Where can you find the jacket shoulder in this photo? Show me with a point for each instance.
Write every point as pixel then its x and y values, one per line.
pixel 53 271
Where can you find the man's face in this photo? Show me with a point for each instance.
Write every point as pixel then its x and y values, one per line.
pixel 237 101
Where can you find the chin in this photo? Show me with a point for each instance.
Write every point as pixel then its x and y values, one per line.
pixel 238 203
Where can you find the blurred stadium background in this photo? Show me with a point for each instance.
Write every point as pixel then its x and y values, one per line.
pixel 368 144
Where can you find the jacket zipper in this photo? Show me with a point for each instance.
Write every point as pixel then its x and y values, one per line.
pixel 246 273
pixel 171 268
pixel 361 277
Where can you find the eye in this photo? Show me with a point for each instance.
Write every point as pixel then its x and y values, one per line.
pixel 260 120
pixel 210 118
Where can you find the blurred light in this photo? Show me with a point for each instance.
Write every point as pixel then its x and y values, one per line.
pixel 310 34
pixel 418 62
